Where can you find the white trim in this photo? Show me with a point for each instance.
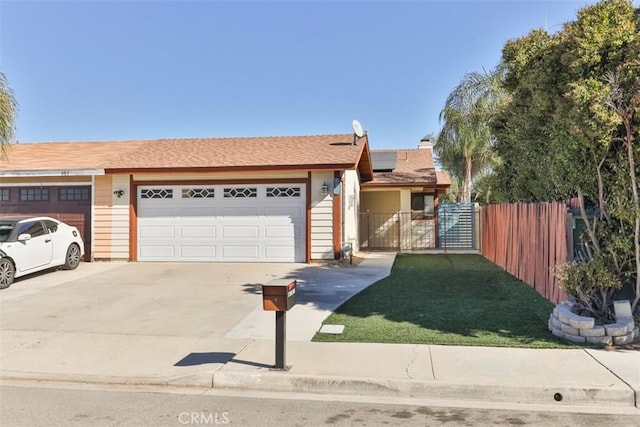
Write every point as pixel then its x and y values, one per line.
pixel 45 184
pixel 52 172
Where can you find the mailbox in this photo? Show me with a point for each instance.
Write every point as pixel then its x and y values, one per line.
pixel 279 295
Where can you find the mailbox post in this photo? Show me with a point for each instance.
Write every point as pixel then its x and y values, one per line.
pixel 279 296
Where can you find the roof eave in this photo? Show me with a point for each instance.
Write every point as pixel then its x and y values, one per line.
pixel 51 173
pixel 210 169
pixel 400 184
pixel 363 163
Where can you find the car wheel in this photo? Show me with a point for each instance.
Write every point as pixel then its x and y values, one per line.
pixel 73 257
pixel 7 271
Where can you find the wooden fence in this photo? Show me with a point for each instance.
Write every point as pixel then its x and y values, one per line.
pixel 527 240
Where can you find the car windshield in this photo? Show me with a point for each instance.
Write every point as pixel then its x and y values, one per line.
pixel 6 227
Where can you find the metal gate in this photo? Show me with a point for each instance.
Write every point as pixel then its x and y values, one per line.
pixel 457 226
pixel 398 231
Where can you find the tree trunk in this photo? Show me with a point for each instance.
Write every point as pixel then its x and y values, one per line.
pixel 636 205
pixel 467 178
pixel 587 223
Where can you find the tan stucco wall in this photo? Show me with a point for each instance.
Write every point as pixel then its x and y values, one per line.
pixel 384 201
pixel 390 222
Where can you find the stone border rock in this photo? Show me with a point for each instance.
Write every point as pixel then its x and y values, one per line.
pixel 565 324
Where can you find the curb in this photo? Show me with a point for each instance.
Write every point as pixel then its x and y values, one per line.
pixel 359 386
pixel 284 382
pixel 192 380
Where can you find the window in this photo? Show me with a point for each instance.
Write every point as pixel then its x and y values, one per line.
pixel 161 193
pixel 6 227
pixel 52 226
pixel 67 194
pixel 5 194
pixel 283 191
pixel 236 193
pixel 422 205
pixel 198 193
pixel 34 228
pixel 34 194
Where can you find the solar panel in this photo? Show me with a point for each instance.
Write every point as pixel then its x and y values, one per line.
pixel 383 161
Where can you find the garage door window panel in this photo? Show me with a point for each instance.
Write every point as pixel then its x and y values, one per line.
pixel 34 194
pixel 240 192
pixel 198 193
pixel 283 191
pixel 73 194
pixel 157 193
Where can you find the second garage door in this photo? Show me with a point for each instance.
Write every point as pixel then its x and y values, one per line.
pixel 227 223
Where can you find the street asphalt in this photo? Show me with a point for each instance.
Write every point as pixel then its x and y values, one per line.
pixel 202 325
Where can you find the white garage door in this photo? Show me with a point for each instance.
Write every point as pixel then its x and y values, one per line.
pixel 234 223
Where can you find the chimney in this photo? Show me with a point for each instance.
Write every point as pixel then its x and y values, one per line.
pixel 425 143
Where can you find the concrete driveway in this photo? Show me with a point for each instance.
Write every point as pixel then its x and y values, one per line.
pixel 141 320
pixel 176 299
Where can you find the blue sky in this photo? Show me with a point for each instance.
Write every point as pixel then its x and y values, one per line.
pixel 117 70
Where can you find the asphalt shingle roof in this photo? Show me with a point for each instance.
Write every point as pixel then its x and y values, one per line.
pixel 294 152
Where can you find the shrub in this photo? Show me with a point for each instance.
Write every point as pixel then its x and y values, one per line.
pixel 591 285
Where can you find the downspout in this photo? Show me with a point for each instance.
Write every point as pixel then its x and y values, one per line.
pixel 343 239
pixel 337 249
pixel 93 218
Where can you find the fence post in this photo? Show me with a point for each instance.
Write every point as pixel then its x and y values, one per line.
pixel 399 227
pixel 569 234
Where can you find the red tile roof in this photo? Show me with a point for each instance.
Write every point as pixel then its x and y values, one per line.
pixel 413 167
pixel 259 153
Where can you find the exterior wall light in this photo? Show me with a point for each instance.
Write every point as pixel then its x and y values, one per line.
pixel 118 193
pixel 324 190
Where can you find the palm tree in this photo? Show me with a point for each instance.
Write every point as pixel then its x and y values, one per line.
pixel 8 110
pixel 464 145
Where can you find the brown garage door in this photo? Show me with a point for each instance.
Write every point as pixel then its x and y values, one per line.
pixel 68 204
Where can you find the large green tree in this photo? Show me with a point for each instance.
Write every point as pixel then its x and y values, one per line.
pixel 570 127
pixel 464 144
pixel 8 110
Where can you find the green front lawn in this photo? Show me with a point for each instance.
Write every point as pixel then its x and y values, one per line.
pixel 446 299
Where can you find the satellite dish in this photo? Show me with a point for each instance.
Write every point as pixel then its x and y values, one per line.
pixel 357 129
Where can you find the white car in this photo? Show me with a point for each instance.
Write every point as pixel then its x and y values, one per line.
pixel 30 244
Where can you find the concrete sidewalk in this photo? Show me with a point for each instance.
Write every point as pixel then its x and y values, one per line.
pixel 516 375
pixel 242 357
pixel 534 376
